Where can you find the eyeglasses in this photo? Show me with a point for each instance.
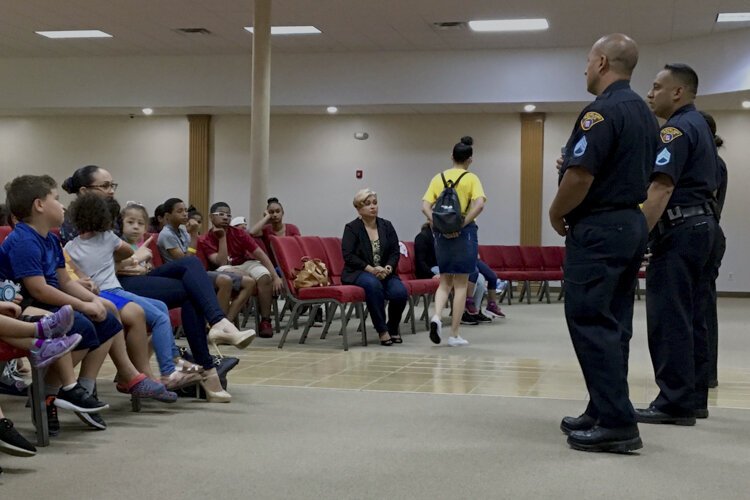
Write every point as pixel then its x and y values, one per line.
pixel 222 214
pixel 107 186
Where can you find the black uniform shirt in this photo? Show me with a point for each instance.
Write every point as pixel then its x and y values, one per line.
pixel 721 193
pixel 614 140
pixel 687 154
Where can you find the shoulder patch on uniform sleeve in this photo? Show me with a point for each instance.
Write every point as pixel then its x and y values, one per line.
pixel 580 147
pixel 663 157
pixel 669 134
pixel 590 119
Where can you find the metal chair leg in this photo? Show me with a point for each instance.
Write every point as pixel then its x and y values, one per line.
pixel 329 319
pixel 310 320
pixel 288 326
pixel 39 406
pixel 413 318
pixel 361 313
pixel 344 320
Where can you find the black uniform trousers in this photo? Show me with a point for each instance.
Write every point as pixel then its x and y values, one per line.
pixel 602 258
pixel 678 280
pixel 712 317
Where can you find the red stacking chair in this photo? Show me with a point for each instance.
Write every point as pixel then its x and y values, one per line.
pixel 4 232
pixel 553 261
pixel 38 404
pixel 419 289
pixel 533 262
pixel 289 251
pixel 513 270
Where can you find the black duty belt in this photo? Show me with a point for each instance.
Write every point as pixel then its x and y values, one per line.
pixel 676 215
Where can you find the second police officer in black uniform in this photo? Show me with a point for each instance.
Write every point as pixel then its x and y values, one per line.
pixel 603 177
pixel 682 218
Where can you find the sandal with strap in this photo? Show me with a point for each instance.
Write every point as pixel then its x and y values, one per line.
pixel 397 339
pixel 184 366
pixel 386 342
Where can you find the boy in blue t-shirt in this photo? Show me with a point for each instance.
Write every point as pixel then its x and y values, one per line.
pixel 32 255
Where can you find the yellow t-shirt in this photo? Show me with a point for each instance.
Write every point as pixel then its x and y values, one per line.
pixel 468 190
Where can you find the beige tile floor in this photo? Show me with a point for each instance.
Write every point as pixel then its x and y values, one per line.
pixel 526 355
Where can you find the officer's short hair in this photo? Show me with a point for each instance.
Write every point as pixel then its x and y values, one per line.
pixel 685 74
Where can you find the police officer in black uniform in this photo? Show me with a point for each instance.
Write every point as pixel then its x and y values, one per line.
pixel 681 216
pixel 720 247
pixel 603 177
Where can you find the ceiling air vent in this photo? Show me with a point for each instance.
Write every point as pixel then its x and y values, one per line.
pixel 193 31
pixel 450 25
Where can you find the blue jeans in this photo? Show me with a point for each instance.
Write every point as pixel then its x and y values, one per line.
pixel 376 293
pixel 488 274
pixel 157 319
pixel 183 283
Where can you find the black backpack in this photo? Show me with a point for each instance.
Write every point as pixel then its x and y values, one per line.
pixel 446 214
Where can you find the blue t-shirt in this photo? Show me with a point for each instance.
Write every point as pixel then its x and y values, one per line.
pixel 25 253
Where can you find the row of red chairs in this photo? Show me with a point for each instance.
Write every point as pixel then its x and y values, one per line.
pixel 525 264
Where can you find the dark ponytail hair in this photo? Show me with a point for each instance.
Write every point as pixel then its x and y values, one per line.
pixel 462 151
pixel 712 125
pixel 82 177
pixel 158 212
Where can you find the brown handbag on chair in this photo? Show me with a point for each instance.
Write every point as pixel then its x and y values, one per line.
pixel 313 273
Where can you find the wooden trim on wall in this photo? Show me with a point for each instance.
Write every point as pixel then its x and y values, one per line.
pixel 198 179
pixel 532 158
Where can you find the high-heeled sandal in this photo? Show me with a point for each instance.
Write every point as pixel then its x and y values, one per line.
pixel 221 396
pixel 397 339
pixel 387 342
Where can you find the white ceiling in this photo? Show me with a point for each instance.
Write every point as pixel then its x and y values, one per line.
pixel 146 27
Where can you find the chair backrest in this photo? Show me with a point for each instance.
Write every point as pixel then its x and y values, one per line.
pixel 552 258
pixel 156 259
pixel 532 258
pixel 492 256
pixel 4 232
pixel 512 260
pixel 335 258
pixel 289 253
pixel 406 262
pixel 313 247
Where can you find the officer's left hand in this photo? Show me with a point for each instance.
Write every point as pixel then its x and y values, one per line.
pixel 558 224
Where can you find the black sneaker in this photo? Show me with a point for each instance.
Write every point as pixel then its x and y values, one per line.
pixel 482 318
pixel 468 319
pixel 53 423
pixel 78 400
pixel 12 443
pixel 92 420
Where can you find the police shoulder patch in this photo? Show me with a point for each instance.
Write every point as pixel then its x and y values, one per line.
pixel 590 119
pixel 669 134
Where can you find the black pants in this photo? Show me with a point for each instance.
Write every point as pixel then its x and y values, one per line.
pixel 712 317
pixel 678 282
pixel 603 254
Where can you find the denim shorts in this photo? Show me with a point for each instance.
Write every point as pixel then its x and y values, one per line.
pixel 458 255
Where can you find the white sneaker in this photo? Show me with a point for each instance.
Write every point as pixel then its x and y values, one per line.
pixel 457 341
pixel 435 328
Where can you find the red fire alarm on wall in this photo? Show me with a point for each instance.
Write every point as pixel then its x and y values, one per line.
pixel 358 174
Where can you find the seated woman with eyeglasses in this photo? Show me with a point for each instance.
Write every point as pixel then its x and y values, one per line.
pixel 87 179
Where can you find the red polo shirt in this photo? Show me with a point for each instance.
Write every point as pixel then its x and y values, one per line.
pixel 240 245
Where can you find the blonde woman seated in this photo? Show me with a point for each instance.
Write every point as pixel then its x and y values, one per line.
pixel 371 253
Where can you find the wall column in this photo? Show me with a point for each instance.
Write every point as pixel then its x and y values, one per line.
pixel 198 181
pixel 532 157
pixel 261 109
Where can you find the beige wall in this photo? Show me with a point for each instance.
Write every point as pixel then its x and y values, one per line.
pixel 313 160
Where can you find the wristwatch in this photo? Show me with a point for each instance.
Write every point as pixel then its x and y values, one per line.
pixel 8 291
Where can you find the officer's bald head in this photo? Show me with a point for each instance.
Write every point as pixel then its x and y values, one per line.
pixel 621 52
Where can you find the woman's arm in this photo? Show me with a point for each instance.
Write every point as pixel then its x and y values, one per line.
pixel 394 249
pixel 475 209
pixel 349 244
pixel 257 229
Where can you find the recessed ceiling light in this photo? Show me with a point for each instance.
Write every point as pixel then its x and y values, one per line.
pixel 74 34
pixel 290 30
pixel 509 25
pixel 332 110
pixel 147 111
pixel 733 17
pixel 529 108
pixel 746 104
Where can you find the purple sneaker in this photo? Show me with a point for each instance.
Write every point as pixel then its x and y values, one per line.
pixel 152 389
pixel 494 309
pixel 471 308
pixel 57 324
pixel 52 349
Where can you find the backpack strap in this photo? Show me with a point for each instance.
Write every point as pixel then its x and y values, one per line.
pixel 455 183
pixel 445 183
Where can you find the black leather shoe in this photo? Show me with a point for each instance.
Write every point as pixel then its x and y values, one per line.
pixel 653 415
pixel 582 423
pixel 701 413
pixel 620 440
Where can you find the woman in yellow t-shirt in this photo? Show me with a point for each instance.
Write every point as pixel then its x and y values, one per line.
pixel 456 252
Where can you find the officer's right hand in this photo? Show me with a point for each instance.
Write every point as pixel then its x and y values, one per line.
pixel 560 163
